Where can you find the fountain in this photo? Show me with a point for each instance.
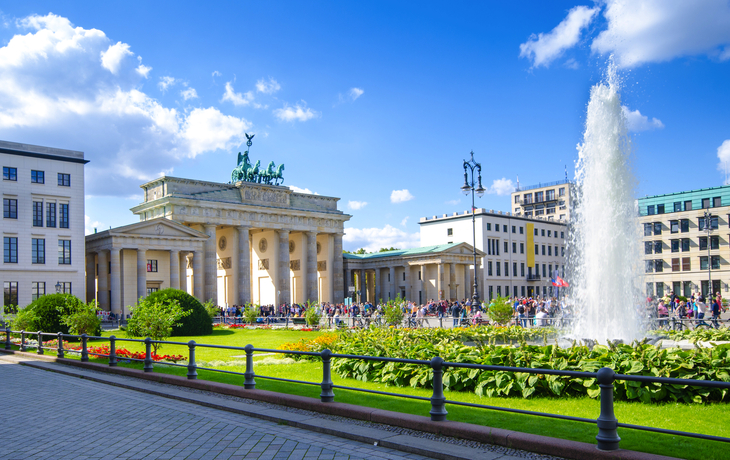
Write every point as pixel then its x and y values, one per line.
pixel 604 261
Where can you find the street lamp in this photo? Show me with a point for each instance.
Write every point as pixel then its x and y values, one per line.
pixel 468 186
pixel 58 287
pixel 708 217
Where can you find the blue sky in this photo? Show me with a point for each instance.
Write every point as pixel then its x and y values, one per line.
pixel 372 102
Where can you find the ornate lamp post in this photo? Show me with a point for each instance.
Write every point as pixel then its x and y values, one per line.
pixel 708 217
pixel 468 186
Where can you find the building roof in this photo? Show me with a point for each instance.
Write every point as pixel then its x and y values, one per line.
pixel 39 151
pixel 408 252
pixel 491 213
pixel 695 196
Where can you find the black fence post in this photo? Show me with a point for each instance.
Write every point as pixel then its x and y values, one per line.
pixel 22 340
pixel 607 437
pixel 249 383
pixel 148 355
pixel 112 351
pixel 327 394
pixel 438 400
pixel 7 339
pixel 59 353
pixel 192 366
pixel 84 348
pixel 40 343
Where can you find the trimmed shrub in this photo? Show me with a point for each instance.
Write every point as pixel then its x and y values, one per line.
pixel 198 322
pixel 47 313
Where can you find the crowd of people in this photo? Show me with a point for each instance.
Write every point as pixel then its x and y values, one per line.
pixel 695 307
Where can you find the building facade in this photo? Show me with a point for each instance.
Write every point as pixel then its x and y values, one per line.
pixel 43 222
pixel 685 238
pixel 551 201
pixel 521 254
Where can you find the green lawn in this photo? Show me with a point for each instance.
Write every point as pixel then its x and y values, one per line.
pixel 706 418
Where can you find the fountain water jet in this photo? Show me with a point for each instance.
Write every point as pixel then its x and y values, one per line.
pixel 604 260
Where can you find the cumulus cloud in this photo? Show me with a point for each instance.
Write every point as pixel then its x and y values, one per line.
pixel 189 93
pixel 142 69
pixel 372 239
pixel 355 205
pixel 166 82
pixel 267 87
pixel 542 49
pixel 501 186
pixel 404 221
pixel 636 122
pixel 354 93
pixel 400 196
pixel 300 112
pixel 75 88
pixel 723 154
pixel 641 31
pixel 236 98
pixel 296 189
pixel 90 225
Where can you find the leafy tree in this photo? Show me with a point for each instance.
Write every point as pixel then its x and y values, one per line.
pixel 500 311
pixel 84 320
pixel 394 312
pixel 198 322
pixel 155 318
pixel 47 312
pixel 311 315
pixel 212 309
pixel 388 249
pixel 251 312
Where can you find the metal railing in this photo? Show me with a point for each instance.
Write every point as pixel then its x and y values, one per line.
pixel 607 423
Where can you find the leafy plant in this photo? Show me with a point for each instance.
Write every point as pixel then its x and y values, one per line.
pixel 84 320
pixel 250 313
pixel 311 315
pixel 46 313
pixel 155 319
pixel 394 312
pixel 197 322
pixel 324 341
pixel 211 308
pixel 500 311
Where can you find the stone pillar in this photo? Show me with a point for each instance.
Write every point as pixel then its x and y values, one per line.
pixel 141 273
pixel 103 294
pixel 377 284
pixel 392 283
pixel 452 281
pixel 184 272
pixel 116 275
pixel 422 283
pixel 175 269
pixel 198 276
pixel 90 276
pixel 244 265
pixel 283 271
pixel 408 281
pixel 440 282
pixel 310 253
pixel 337 270
pixel 210 271
pixel 348 281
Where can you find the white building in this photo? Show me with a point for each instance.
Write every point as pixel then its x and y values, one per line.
pixel 522 254
pixel 551 200
pixel 43 222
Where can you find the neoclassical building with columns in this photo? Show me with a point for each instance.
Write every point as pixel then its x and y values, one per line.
pixel 232 243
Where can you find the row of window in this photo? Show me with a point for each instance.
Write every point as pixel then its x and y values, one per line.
pixel 36 177
pixel 549 195
pixel 523 291
pixel 680 226
pixel 37 289
pixel 678 206
pixel 38 251
pixel 493 248
pixel 656 247
pixel 10 211
pixel 683 264
pixel 685 288
pixel 547 269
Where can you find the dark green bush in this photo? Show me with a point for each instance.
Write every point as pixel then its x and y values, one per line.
pixel 198 322
pixel 48 312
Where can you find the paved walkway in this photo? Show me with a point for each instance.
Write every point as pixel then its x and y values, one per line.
pixel 52 416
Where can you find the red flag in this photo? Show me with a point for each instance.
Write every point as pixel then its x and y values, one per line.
pixel 561 282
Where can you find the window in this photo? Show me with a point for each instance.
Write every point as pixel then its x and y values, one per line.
pixel 648 229
pixel 522 269
pixel 550 195
pixel 489 226
pixel 506 269
pixel 449 232
pixel 37 177
pixel 535 232
pixel 38 251
pixel 496 227
pixel 660 289
pixel 514 248
pixel 703 262
pixel 489 268
pixel 715 262
pixel 684 225
pixel 674 226
pixel 562 235
pixel 63 216
pixel 499 268
pixel 657 228
pixel 150 290
pixel 544 271
pixel 650 210
pixel 504 228
pixel 37 289
pixel 38 214
pixel 506 248
pixel 50 214
pixel 64 252
pixel 550 251
pixel 659 265
pixel 650 289
pixel 716 202
pixel 419 274
pixel 648 247
pixel 64 180
pixel 10 291
pixel 561 191
pixel 66 288
pixel 685 244
pixel 537 249
pixel 550 233
pixel 543 249
pixel 675 245
pixel 499 291
pixel 705 203
pixel 522 248
pixel 542 232
pixel 688 205
pixel 522 230
pixel 660 209
pixel 703 243
pixel 677 208
pixel 528 198
pixel 10 249
pixel 713 223
pixel 491 292
pixel 538 197
pixel 562 251
pixel 152 267
pixel 649 268
pixel 675 265
pixel 10 208
pixel 714 242
pixel 657 247
pixel 10 173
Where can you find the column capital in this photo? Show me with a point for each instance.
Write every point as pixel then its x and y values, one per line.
pixel 283 231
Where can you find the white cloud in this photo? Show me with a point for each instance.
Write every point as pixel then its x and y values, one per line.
pixel 372 239
pixel 404 221
pixel 166 82
pixel 354 93
pixel 216 73
pixel 400 196
pixel 502 186
pixel 89 226
pixel 296 189
pixel 112 58
pixel 723 154
pixel 453 202
pixel 55 90
pixel 267 87
pixel 236 98
pixel 189 93
pixel 636 122
pixel 542 49
pixel 143 70
pixel 355 205
pixel 641 31
pixel 300 112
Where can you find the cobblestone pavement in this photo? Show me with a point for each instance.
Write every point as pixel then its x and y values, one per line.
pixel 51 416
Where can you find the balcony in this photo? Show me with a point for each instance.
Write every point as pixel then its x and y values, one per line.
pixel 542 201
pixel 534 277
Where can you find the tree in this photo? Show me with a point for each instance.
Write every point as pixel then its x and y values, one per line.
pixel 155 319
pixel 500 311
pixel 388 249
pixel 197 322
pixel 84 320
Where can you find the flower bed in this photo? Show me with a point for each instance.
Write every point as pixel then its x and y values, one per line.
pixel 101 351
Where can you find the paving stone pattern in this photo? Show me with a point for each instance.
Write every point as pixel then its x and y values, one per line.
pixel 51 416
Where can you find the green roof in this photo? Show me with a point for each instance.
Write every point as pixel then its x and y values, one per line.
pixel 677 200
pixel 401 252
